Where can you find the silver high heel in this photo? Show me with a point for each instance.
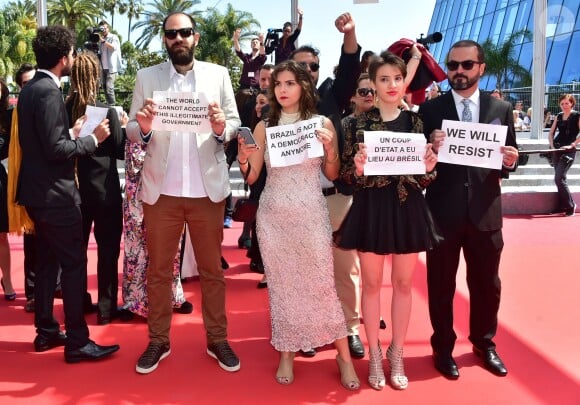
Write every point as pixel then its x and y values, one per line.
pixel 399 380
pixel 376 373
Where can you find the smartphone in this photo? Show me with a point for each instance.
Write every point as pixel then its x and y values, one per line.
pixel 246 133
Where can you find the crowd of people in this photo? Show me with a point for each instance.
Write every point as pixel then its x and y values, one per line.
pixel 65 177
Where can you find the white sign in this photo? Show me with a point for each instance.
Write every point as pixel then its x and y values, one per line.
pixel 95 115
pixel 394 153
pixel 181 111
pixel 472 144
pixel 294 143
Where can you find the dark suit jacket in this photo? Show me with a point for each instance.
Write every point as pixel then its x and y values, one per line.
pixel 46 177
pixel 463 193
pixel 97 173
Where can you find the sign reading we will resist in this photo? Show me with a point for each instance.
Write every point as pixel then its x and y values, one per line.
pixel 294 143
pixel 181 111
pixel 472 144
pixel 394 153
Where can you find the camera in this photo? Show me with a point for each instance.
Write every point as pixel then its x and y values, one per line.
pixel 430 39
pixel 94 39
pixel 272 39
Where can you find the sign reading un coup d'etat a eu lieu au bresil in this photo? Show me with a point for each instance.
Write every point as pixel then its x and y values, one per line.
pixel 394 153
pixel 181 111
pixel 293 144
pixel 472 144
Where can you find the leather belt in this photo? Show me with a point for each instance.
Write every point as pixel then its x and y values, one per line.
pixel 329 191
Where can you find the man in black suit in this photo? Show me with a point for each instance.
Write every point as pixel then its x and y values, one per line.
pixel 46 187
pixel 466 204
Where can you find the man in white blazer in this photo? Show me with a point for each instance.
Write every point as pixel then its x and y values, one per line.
pixel 185 180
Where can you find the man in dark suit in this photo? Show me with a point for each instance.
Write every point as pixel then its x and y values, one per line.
pixel 46 187
pixel 466 204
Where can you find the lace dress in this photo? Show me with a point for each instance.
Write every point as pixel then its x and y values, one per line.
pixel 294 233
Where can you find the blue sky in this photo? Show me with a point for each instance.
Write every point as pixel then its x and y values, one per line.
pixel 377 25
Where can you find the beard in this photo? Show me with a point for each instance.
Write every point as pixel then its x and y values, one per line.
pixel 182 56
pixel 462 82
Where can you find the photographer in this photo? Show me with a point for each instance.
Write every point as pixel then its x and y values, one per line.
pixel 110 51
pixel 286 45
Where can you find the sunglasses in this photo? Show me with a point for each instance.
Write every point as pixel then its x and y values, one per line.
pixel 312 65
pixel 466 64
pixel 364 91
pixel 183 32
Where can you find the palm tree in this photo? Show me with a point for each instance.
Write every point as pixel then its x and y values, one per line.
pixel 110 7
pixel 216 29
pixel 155 13
pixel 74 14
pixel 18 27
pixel 133 9
pixel 500 62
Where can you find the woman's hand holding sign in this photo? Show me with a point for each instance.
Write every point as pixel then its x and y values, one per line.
pixel 360 159
pixel 430 158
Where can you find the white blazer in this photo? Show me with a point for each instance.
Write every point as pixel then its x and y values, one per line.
pixel 214 81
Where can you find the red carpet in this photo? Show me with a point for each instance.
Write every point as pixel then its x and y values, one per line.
pixel 537 338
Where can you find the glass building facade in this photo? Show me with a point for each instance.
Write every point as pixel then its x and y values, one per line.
pixel 479 20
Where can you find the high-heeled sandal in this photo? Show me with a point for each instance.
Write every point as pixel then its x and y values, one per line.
pixel 398 379
pixel 376 373
pixel 7 297
pixel 285 373
pixel 348 377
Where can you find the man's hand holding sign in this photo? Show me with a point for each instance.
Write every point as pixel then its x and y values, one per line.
pixel 473 144
pixel 182 112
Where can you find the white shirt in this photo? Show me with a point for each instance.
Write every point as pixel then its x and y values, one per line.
pixel 183 175
pixel 473 105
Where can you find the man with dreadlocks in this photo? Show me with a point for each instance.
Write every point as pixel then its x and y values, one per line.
pixel 101 200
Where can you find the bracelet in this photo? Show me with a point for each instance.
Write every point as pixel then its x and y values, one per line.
pixel 416 57
pixel 242 163
pixel 333 160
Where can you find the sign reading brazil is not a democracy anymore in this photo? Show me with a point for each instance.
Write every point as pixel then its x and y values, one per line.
pixel 181 111
pixel 293 144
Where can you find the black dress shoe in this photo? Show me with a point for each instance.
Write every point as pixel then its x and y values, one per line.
pixel 125 315
pixel 308 353
pixel 44 343
pixel 491 361
pixel 104 319
pixel 355 346
pixel 185 308
pixel 89 352
pixel 446 366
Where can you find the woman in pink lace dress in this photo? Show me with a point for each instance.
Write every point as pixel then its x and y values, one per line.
pixel 293 229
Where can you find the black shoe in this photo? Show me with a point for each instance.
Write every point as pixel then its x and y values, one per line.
pixel 446 366
pixel 570 212
pixel 29 306
pixel 355 346
pixel 185 308
pixel 223 353
pixel 382 324
pixel 105 319
pixel 151 357
pixel 225 265
pixel 257 267
pixel 491 361
pixel 89 352
pixel 42 343
pixel 125 315
pixel 244 242
pixel 308 353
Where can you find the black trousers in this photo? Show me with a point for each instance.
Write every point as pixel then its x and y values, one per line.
pixel 59 244
pixel 482 252
pixel 108 228
pixel 29 263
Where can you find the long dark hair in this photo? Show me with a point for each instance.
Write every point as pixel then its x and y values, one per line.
pixel 308 97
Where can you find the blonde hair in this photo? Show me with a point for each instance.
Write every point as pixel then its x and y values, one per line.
pixel 84 76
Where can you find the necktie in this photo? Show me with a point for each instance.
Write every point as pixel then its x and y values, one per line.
pixel 466 115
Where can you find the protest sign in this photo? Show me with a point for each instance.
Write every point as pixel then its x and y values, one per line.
pixel 181 111
pixel 293 144
pixel 472 144
pixel 95 115
pixel 394 153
